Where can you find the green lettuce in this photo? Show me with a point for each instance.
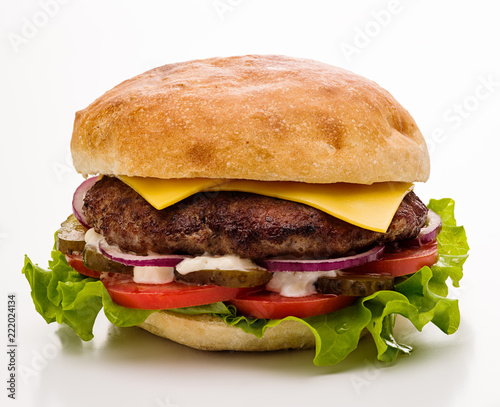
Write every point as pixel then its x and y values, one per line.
pixel 63 295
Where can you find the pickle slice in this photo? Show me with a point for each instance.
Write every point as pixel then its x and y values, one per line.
pixel 226 278
pixel 359 285
pixel 71 236
pixel 95 260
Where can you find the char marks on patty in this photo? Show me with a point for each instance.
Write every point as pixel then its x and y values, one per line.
pixel 248 225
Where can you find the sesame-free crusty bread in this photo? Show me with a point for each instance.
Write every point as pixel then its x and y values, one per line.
pixel 250 117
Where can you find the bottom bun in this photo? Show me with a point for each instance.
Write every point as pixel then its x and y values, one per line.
pixel 207 332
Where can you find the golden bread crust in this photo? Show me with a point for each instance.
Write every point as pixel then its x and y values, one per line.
pixel 250 117
pixel 206 332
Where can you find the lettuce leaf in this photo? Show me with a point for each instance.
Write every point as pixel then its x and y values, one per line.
pixel 63 295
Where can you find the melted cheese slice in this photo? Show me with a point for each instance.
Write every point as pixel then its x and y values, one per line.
pixel 368 206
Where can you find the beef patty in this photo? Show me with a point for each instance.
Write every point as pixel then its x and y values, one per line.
pixel 248 225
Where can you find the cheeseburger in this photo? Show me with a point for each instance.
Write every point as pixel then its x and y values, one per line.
pixel 252 203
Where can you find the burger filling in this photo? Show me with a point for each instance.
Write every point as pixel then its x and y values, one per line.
pixel 246 225
pixel 226 237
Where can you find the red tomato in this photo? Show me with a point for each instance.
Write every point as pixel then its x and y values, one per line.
pixel 124 291
pixel 271 305
pixel 406 261
pixel 76 261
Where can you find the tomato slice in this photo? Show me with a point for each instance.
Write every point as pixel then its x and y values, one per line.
pixel 124 291
pixel 76 261
pixel 271 305
pixel 401 262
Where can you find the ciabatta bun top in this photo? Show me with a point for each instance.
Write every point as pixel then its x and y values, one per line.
pixel 250 117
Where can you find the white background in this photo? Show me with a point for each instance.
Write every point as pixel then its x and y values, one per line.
pixel 440 59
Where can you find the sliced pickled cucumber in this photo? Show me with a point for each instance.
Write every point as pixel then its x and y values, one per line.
pixel 359 285
pixel 95 260
pixel 226 278
pixel 71 236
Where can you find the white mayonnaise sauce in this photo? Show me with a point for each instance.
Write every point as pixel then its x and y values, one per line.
pixel 153 275
pixel 92 238
pixel 296 284
pixel 206 262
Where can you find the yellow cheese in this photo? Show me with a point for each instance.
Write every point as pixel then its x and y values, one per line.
pixel 368 206
pixel 161 193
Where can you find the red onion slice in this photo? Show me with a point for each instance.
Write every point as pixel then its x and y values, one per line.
pixel 151 260
pixel 428 233
pixel 78 197
pixel 325 265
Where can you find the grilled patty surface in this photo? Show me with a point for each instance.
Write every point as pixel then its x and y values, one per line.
pixel 248 225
